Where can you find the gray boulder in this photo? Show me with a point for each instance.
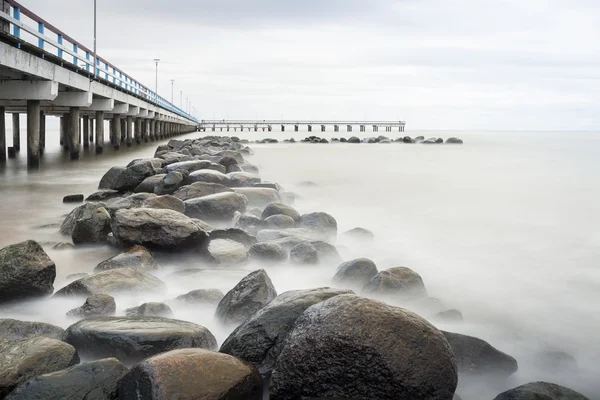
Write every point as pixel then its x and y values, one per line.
pixel 12 329
pixel 137 257
pixel 320 222
pixel 226 252
pixel 132 176
pixel 399 282
pixel 26 271
pixel 353 139
pixel 150 310
pixel 243 179
pixel 260 338
pixel 67 226
pixel 279 222
pixel 131 339
pixel 202 297
pixel 352 347
pixel 96 305
pixel 102 195
pixel 267 252
pixel 188 166
pixel 107 180
pixel 280 209
pixel 170 183
pixel 453 140
pixel 540 391
pixel 21 360
pixel 128 202
pixel 237 235
pixel 251 294
pixel 200 189
pixel 209 176
pixel 149 184
pixel 166 202
pixel 92 226
pixel 114 282
pixel 355 272
pixel 304 253
pixel 259 197
pixel 95 380
pixel 216 207
pixel 359 234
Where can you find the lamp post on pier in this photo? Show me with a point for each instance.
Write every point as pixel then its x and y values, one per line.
pixel 181 99
pixel 172 83
pixel 95 55
pixel 156 60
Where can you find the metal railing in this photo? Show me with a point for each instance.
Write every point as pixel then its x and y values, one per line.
pixel 70 51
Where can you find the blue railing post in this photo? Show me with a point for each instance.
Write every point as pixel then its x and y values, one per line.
pixel 75 51
pixel 87 58
pixel 60 41
pixel 41 30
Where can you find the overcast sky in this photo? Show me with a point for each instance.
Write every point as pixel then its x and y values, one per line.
pixel 438 64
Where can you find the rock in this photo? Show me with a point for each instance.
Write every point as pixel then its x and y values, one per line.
pixel 320 222
pixel 63 246
pixel 125 203
pixel 170 183
pixel 267 252
pixel 453 140
pixel 260 338
pixel 67 226
pixel 243 179
pixel 540 391
pixel 24 359
pixel 189 166
pixel 102 195
pixel 399 282
pixel 74 277
pixel 449 316
pixel 192 374
pixel 209 176
pixel 26 271
pixel 166 202
pixel 228 161
pixel 226 252
pixel 107 180
pixel 200 189
pixel 202 296
pixel 73 198
pixel 96 305
pixel 301 234
pixel 555 362
pixel 216 207
pixel 237 235
pixel 259 197
pixel 149 184
pixel 268 185
pixel 352 347
pixel 359 234
pixel 407 139
pixel 95 380
pixel 304 253
pixel 92 226
pixel 131 339
pixel 280 209
pixel 278 222
pixel 355 272
pixel 12 329
pixel 150 227
pixel 132 176
pixel 150 310
pixel 353 139
pixel 137 257
pixel 327 252
pixel 114 282
pixel 247 220
pixel 251 294
pixel 477 357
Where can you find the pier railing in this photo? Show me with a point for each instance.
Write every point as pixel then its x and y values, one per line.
pixel 23 24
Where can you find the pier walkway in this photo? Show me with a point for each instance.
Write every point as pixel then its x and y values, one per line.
pixel 311 126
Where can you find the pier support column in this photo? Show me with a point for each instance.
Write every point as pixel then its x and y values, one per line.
pixel 99 132
pixel 86 131
pixel 151 129
pixel 2 134
pixel 138 130
pixel 72 133
pixel 129 124
pixel 16 132
pixel 116 127
pixel 63 132
pixel 91 130
pixel 123 123
pixel 33 133
pixel 42 132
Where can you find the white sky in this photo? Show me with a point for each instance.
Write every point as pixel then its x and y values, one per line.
pixel 438 64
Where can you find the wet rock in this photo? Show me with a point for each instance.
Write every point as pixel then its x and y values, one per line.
pixel 132 176
pixel 137 257
pixel 95 380
pixel 107 180
pixel 12 329
pixel 192 374
pixel 92 226
pixel 453 140
pixel 189 166
pixel 63 246
pixel 149 184
pixel 399 282
pixel 259 197
pixel 359 234
pixel 540 391
pixel 353 139
pixel 26 272
pixel 449 316
pixel 237 235
pixel 149 227
pixel 355 272
pixel 125 203
pixel 247 220
pixel 200 189
pixel 73 198
pixel 96 305
pixel 226 252
pixel 407 139
pixel 170 183
pixel 74 277
pixel 131 339
pixel 24 359
pixel 103 195
pixel 243 179
pixel 477 357
pixel 209 176
pixel 251 294
pixel 114 282
pixel 216 207
pixel 280 209
pixel 320 222
pixel 304 253
pixel 150 310
pixel 278 222
pixel 260 338
pixel 202 297
pixel 67 226
pixel 267 252
pixel 166 202
pixel 352 347
pixel 327 252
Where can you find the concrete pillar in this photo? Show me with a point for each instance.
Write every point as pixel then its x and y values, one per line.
pixel 322 128
pixel 16 132
pixel 72 133
pixel 129 124
pixel 123 124
pixel 63 132
pixel 137 131
pixel 91 132
pixel 42 132
pixel 33 133
pixel 99 132
pixel 116 126
pixel 2 134
pixel 282 128
pixel 86 130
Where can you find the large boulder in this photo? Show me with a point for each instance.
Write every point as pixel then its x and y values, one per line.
pixel 149 227
pixel 21 360
pixel 251 294
pixel 237 235
pixel 202 297
pixel 477 357
pixel 260 338
pixel 92 226
pixel 398 282
pixel 102 195
pixel 132 176
pixel 216 207
pixel 95 380
pixel 304 253
pixel 149 184
pixel 166 202
pixel 192 374
pixel 151 309
pixel 96 305
pixel 131 339
pixel 200 189
pixel 267 252
pixel 209 176
pixel 280 209
pixel 170 183
pixel 107 180
pixel 226 252
pixel 137 257
pixel 67 226
pixel 243 179
pixel 259 197
pixel 355 272
pixel 453 140
pixel 26 271
pixel 540 391
pixel 320 222
pixel 352 347
pixel 189 166
pixel 12 329
pixel 279 222
pixel 114 282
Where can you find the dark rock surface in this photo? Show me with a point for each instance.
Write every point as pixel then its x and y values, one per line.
pixel 200 189
pixel 96 305
pixel 360 234
pixel 12 329
pixel 267 252
pixel 137 257
pixel 114 282
pixel 540 391
pixel 320 222
pixel 355 272
pixel 202 296
pixel 151 309
pixel 399 282
pixel 165 202
pixel 216 207
pixel 73 198
pixel 280 209
pixel 92 226
pixel 304 253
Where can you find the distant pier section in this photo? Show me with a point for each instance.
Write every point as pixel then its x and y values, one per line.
pixel 223 125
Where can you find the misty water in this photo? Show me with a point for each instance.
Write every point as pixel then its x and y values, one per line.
pixel 504 228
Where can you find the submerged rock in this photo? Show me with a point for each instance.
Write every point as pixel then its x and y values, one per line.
pixel 96 305
pixel 103 195
pixel 399 282
pixel 73 198
pixel 540 391
pixel 320 222
pixel 202 296
pixel 150 310
pixel 453 140
pixel 92 226
pixel 269 252
pixel 137 257
pixel 237 235
pixel 360 234
pixel 13 329
pixel 226 252
pixel 304 253
pixel 355 272
pixel 279 222
pixel 114 282
pixel 67 226
pixel 259 197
